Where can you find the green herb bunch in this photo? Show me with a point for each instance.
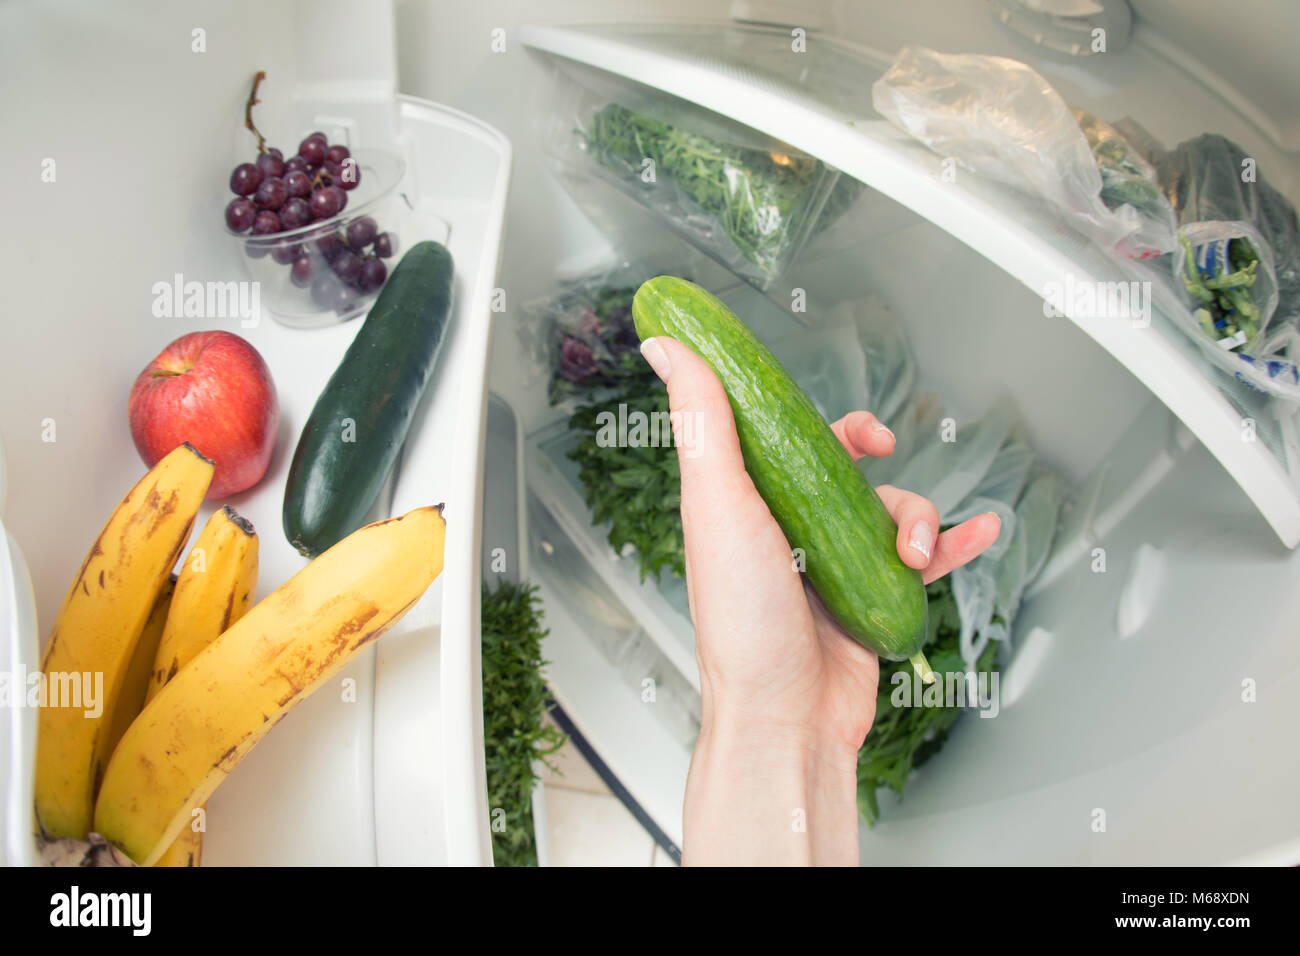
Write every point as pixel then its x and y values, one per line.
pixel 759 198
pixel 637 488
pixel 903 738
pixel 514 700
pixel 596 358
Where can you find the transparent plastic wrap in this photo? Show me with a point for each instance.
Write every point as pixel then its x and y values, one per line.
pixel 1001 119
pixel 857 358
pixel 1226 268
pixel 1211 178
pixel 607 624
pixel 582 336
pixel 1128 180
pixel 989 589
pixel 1244 316
pixel 985 467
pixel 745 199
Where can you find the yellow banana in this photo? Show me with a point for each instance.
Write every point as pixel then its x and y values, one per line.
pixel 96 631
pixel 135 683
pixel 215 588
pixel 217 707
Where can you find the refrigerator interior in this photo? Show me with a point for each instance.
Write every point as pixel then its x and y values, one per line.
pixel 1128 691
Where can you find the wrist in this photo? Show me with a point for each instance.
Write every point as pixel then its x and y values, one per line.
pixel 759 732
pixel 770 791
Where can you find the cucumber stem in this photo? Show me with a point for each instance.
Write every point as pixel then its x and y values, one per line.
pixel 922 667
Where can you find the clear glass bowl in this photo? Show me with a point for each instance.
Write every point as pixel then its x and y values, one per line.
pixel 298 270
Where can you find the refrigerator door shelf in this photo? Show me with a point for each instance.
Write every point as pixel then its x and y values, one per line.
pixel 505 542
pixel 748 74
pixel 385 764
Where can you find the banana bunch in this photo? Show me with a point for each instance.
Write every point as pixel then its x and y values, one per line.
pixel 98 629
pixel 192 677
pixel 216 708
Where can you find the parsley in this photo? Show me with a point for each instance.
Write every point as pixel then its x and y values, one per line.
pixel 637 488
pixel 514 699
pixel 761 199
pixel 903 738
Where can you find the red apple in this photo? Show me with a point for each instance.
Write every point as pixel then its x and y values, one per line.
pixel 213 390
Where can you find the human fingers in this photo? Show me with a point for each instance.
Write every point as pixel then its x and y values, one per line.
pixel 918 524
pixel 962 544
pixel 862 434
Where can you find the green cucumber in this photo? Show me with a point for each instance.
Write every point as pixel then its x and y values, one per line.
pixel 354 433
pixel 818 496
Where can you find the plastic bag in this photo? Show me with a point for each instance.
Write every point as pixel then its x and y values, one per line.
pixel 1211 178
pixel 1227 270
pixel 857 358
pixel 891 367
pixel 828 366
pixel 1128 180
pixel 1038 512
pixel 947 472
pixel 582 335
pixel 744 198
pixel 1000 118
pixel 987 467
pixel 1217 194
pixel 988 590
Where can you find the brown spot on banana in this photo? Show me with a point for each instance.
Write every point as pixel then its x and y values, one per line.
pixel 230 609
pixel 96 550
pixel 226 762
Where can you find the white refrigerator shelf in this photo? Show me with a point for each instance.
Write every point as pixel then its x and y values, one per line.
pixel 742 73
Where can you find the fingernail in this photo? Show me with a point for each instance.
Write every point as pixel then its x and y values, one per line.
pixel 880 426
pixel 922 539
pixel 654 353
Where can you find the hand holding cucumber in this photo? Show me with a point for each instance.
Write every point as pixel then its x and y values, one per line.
pixel 788 665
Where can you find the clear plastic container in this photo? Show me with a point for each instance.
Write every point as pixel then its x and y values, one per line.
pixel 745 199
pixel 302 282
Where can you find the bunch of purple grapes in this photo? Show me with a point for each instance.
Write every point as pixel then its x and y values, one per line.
pixel 340 265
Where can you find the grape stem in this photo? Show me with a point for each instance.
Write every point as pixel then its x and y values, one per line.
pixel 248 111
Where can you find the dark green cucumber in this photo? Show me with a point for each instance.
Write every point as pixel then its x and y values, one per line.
pixel 354 433
pixel 818 496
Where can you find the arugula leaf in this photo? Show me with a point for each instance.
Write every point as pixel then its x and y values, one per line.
pixel 761 199
pixel 514 699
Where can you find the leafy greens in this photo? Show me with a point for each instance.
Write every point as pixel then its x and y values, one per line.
pixel 514 699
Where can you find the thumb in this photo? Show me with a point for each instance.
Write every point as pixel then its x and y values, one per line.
pixel 704 429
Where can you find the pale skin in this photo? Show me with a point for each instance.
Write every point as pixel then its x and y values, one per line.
pixel 787 696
